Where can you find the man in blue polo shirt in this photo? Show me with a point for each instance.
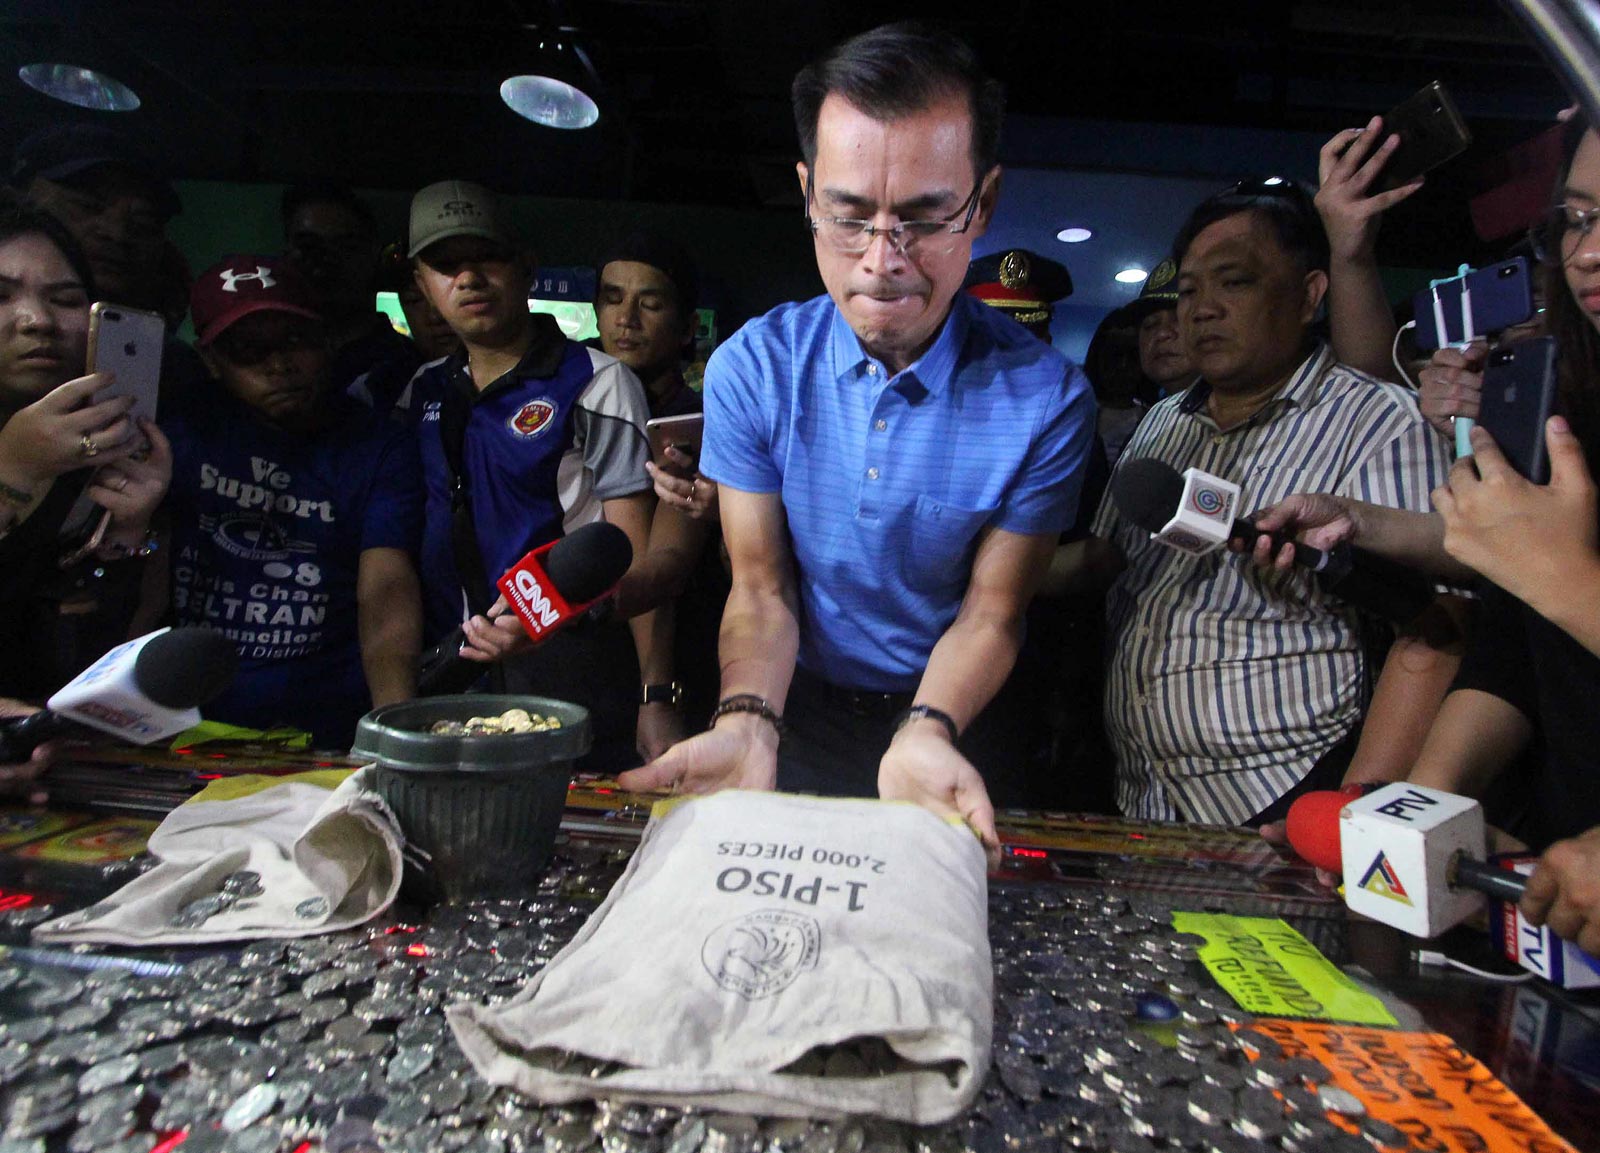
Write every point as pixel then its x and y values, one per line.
pixel 894 460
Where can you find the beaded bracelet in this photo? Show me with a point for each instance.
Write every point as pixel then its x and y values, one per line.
pixel 747 703
pixel 111 551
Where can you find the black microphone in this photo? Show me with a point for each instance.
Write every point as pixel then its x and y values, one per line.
pixel 1149 493
pixel 548 589
pixel 142 691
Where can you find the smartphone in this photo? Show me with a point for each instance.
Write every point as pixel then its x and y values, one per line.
pixel 680 432
pixel 1519 394
pixel 127 342
pixel 1431 131
pixel 1502 296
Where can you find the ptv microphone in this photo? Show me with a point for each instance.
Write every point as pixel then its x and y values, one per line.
pixel 548 589
pixel 1411 857
pixel 1194 513
pixel 143 691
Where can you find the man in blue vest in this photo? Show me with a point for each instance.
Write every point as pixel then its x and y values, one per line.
pixel 895 459
pixel 544 435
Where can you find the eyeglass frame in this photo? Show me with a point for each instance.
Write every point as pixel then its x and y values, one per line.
pixel 897 234
pixel 1587 218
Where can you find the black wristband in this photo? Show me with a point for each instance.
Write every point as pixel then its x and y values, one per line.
pixel 747 703
pixel 916 712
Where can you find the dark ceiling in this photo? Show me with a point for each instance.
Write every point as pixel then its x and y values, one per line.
pixel 695 98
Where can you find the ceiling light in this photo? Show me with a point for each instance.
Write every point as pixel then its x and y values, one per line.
pixel 1132 275
pixel 1271 180
pixel 83 87
pixel 553 103
pixel 1074 235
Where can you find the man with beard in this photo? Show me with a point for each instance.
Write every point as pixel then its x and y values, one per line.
pixel 295 515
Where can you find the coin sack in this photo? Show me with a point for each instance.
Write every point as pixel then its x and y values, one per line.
pixel 766 953
pixel 251 857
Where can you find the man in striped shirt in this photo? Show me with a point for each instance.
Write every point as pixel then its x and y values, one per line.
pixel 1230 687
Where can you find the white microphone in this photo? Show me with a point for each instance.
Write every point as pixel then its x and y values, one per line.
pixel 142 691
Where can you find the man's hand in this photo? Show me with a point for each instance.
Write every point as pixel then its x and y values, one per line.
pixel 659 728
pixel 1532 540
pixel 741 752
pixel 1346 168
pixel 921 765
pixel 22 778
pixel 691 493
pixel 1321 520
pixel 495 636
pixel 1564 891
pixel 1452 385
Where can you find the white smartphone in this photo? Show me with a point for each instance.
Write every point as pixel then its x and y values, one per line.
pixel 127 342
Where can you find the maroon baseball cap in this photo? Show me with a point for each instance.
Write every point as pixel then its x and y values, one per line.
pixel 239 285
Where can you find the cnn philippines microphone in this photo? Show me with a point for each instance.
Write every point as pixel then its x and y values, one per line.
pixel 1195 513
pixel 143 691
pixel 548 589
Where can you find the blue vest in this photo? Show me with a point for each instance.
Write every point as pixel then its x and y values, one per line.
pixel 516 432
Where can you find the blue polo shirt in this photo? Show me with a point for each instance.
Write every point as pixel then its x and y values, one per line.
pixel 888 481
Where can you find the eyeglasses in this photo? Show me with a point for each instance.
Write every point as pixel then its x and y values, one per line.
pixel 1555 239
pixel 852 237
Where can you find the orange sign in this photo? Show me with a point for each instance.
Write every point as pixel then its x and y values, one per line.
pixel 1424 1084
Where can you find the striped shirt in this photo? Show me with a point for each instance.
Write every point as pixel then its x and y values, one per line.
pixel 1226 682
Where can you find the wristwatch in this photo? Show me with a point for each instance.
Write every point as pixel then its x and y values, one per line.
pixel 667 694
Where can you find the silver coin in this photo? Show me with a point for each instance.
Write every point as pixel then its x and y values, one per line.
pixel 441 1093
pixel 1342 1101
pixel 252 1105
pixel 345 1030
pixel 409 1063
pixel 1382 1134
pixel 108 1074
pixel 323 1011
pixel 1211 1106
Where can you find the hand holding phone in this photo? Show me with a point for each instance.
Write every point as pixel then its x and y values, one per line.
pixel 1431 131
pixel 682 433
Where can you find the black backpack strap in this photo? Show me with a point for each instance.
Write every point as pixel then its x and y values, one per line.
pixel 454 412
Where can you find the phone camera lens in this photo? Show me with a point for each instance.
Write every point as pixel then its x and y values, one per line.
pixel 131 349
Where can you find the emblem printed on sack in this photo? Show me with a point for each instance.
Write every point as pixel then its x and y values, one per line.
pixel 311 908
pixel 761 953
pixel 532 418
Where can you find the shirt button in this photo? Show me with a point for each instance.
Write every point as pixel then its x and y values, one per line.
pixel 872 369
pixel 1217 439
pixel 880 425
pixel 872 474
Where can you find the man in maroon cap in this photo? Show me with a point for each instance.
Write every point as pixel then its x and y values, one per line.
pixel 295 515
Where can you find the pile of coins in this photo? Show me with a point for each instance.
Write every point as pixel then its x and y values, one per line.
pixel 341 1041
pixel 510 721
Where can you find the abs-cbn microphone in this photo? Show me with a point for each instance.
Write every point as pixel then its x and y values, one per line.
pixel 548 589
pixel 143 691
pixel 1195 513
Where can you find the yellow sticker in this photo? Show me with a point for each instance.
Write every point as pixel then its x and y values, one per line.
pixel 1272 971
pixel 249 784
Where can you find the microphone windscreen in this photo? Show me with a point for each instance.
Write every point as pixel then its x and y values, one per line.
pixel 1147 492
pixel 588 561
pixel 1313 826
pixel 185 668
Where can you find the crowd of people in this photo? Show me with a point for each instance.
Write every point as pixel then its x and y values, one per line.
pixel 847 590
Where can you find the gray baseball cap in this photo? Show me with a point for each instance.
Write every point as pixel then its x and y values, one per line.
pixel 456 208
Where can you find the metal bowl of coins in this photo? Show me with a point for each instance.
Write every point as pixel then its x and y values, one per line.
pixel 478 784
